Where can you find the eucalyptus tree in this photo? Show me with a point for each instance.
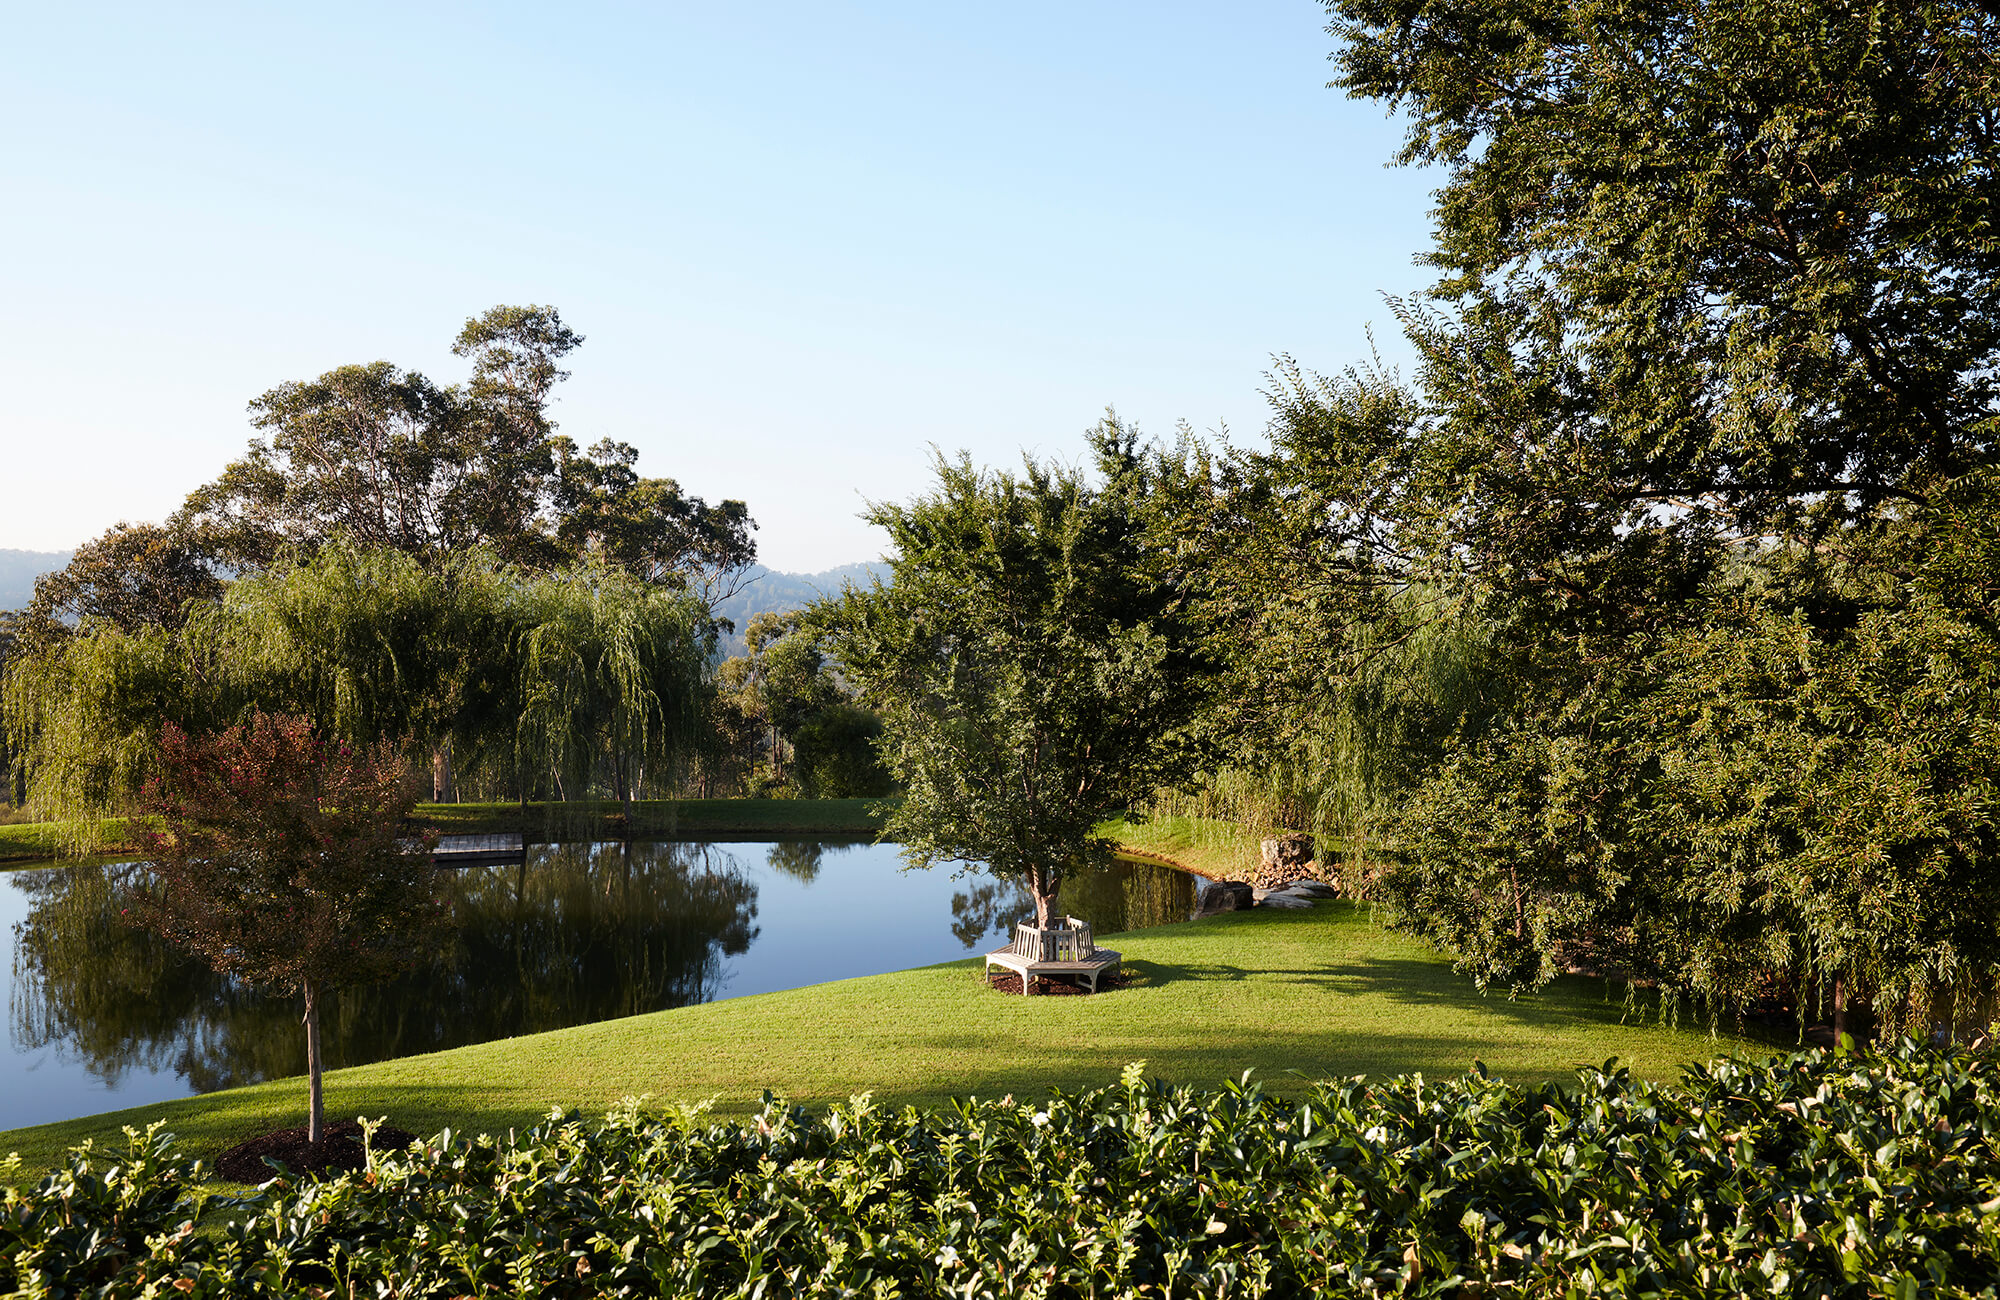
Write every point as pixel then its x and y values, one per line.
pixel 385 458
pixel 1029 661
pixel 1703 440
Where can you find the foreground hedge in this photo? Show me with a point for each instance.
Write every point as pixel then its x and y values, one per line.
pixel 1812 1175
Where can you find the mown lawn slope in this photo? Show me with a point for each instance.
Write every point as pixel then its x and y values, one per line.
pixel 1290 995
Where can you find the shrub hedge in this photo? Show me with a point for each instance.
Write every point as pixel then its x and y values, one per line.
pixel 1814 1174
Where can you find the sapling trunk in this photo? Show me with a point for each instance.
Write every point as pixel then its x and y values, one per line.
pixel 1839 1008
pixel 316 1111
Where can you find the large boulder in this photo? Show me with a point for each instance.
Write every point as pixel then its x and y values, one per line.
pixel 1284 899
pixel 1225 896
pixel 1285 858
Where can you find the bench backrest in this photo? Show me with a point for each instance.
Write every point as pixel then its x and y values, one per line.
pixel 1068 939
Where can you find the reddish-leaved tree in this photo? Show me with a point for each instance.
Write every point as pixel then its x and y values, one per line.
pixel 282 859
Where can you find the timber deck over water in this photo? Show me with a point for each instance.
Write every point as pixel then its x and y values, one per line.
pixel 478 850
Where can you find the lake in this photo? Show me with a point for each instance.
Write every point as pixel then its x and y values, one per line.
pixel 102 1016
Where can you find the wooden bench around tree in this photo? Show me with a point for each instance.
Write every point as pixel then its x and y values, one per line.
pixel 1065 948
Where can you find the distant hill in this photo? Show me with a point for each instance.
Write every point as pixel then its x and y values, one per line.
pixel 771 592
pixel 19 569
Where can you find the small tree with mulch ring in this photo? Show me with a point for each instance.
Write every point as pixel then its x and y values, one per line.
pixel 281 858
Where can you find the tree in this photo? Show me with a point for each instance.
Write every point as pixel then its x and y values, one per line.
pixel 834 754
pixel 386 459
pixel 648 526
pixel 282 860
pixel 783 680
pixel 1028 662
pixel 1707 411
pixel 134 576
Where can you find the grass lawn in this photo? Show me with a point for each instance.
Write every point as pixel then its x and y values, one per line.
pixel 1289 994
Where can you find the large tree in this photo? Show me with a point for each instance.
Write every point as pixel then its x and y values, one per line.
pixel 134 576
pixel 1028 660
pixel 1702 444
pixel 282 859
pixel 386 458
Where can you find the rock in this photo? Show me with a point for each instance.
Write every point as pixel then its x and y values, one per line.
pixel 1225 896
pixel 1288 850
pixel 1281 899
pixel 1312 889
pixel 1286 858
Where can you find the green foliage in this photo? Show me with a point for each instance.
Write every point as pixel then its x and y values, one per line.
pixel 834 754
pixel 281 859
pixel 1813 1175
pixel 559 682
pixel 1028 660
pixel 135 576
pixel 1691 496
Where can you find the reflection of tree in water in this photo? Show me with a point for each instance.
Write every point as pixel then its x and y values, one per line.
pixel 799 859
pixel 1127 896
pixel 585 933
pixel 989 907
pixel 802 859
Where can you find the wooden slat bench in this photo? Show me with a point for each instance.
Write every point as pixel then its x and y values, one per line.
pixel 1066 948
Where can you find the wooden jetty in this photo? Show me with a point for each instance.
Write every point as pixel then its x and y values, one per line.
pixel 1065 948
pixel 478 850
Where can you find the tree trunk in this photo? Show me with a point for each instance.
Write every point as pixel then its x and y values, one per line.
pixel 443 788
pixel 1041 881
pixel 316 1116
pixel 1839 1008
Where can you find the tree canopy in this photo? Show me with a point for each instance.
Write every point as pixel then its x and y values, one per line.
pixel 386 458
pixel 1027 660
pixel 281 858
pixel 1698 471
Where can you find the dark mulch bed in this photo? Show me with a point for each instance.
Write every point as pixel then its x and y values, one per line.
pixel 339 1150
pixel 1009 982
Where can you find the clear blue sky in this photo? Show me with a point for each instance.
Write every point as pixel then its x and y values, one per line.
pixel 805 241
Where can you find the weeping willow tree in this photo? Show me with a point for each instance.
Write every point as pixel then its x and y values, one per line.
pixel 84 718
pixel 609 680
pixel 1384 698
pixel 533 684
pixel 372 643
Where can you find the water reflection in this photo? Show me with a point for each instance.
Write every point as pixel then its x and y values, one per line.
pixel 589 932
pixel 1131 895
pixel 105 1014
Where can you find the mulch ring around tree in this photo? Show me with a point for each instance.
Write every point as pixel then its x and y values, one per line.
pixel 1009 982
pixel 339 1150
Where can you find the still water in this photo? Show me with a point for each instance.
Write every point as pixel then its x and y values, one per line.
pixel 102 1016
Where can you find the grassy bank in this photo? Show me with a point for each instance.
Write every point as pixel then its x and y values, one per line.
pixel 1291 995
pixel 1218 850
pixel 23 843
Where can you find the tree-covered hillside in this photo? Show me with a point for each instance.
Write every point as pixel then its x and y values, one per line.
pixel 766 591
pixel 19 569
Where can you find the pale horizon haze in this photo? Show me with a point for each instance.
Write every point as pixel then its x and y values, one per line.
pixel 805 242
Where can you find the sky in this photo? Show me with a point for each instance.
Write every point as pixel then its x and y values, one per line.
pixel 806 243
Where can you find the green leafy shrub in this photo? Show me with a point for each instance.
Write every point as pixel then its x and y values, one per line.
pixel 1808 1175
